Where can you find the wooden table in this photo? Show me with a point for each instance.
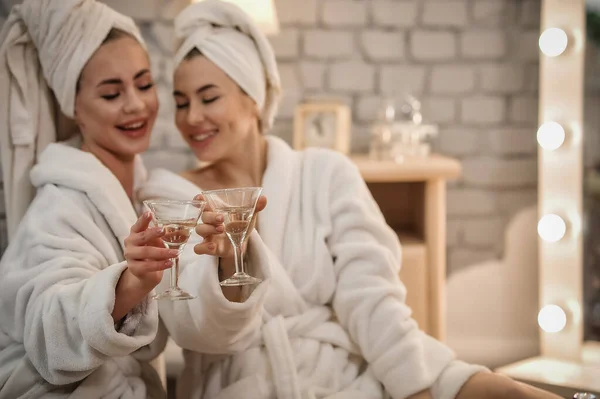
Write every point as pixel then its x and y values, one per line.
pixel 412 197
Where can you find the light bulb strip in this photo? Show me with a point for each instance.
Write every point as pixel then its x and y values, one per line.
pixel 560 174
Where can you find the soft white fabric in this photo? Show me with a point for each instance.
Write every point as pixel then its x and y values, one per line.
pixel 335 320
pixel 57 290
pixel 229 37
pixel 44 45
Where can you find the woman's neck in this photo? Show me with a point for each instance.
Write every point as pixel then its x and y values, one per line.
pixel 121 167
pixel 246 165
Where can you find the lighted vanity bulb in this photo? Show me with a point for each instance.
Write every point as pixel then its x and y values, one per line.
pixel 551 135
pixel 552 318
pixel 552 228
pixel 553 42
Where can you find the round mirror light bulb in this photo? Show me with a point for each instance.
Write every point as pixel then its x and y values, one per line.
pixel 552 228
pixel 553 42
pixel 551 135
pixel 552 318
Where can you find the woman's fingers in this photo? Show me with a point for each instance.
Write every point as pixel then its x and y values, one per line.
pixel 139 267
pixel 261 203
pixel 205 248
pixel 212 218
pixel 142 223
pixel 150 253
pixel 206 230
pixel 144 237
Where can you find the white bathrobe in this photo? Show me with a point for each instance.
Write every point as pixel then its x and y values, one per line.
pixel 57 290
pixel 335 320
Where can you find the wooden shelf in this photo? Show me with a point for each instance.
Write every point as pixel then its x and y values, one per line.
pixel 414 275
pixel 413 169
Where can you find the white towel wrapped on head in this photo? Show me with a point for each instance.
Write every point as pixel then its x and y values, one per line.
pixel 44 46
pixel 228 37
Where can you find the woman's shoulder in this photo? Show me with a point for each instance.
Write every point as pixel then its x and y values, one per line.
pixel 164 183
pixel 321 159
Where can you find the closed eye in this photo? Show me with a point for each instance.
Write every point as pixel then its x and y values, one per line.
pixel 210 100
pixel 147 87
pixel 110 97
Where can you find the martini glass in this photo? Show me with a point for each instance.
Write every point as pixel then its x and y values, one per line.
pixel 237 206
pixel 178 219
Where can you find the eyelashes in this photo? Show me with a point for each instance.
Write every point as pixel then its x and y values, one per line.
pixel 204 101
pixel 110 97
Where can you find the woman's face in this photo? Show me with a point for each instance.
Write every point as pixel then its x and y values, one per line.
pixel 116 102
pixel 214 116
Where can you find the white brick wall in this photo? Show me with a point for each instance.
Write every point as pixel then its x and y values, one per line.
pixel 439 110
pixel 483 109
pixel 286 44
pixel 483 44
pixel 433 45
pixel 352 76
pixel 489 12
pixel 401 78
pixel 445 13
pixel 328 44
pixel 526 45
pixel 470 202
pixel 460 141
pixel 380 45
pixel 502 78
pixel 303 12
pixel 524 109
pixel 394 13
pixel 491 172
pixel 530 13
pixel 367 107
pixel 452 79
pixel 344 13
pixel 312 74
pixel 473 63
pixel 512 141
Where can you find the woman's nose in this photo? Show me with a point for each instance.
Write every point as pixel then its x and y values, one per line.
pixel 134 103
pixel 195 115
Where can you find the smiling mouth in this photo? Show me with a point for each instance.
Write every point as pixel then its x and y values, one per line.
pixel 203 136
pixel 132 127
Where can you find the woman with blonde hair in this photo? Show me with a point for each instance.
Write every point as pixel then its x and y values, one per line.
pixel 75 316
pixel 335 323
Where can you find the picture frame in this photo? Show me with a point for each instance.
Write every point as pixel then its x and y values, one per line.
pixel 324 124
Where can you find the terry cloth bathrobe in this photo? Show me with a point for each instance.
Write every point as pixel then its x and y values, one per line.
pixel 58 276
pixel 57 290
pixel 335 323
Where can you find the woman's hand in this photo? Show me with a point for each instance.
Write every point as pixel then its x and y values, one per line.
pixel 146 254
pixel 146 258
pixel 215 242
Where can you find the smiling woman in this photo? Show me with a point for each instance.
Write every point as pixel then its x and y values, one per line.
pixel 76 319
pixel 116 103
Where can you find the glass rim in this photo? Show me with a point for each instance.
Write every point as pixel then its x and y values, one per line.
pixel 226 190
pixel 173 202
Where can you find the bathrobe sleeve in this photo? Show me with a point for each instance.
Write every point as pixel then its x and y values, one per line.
pixel 370 300
pixel 57 290
pixel 211 323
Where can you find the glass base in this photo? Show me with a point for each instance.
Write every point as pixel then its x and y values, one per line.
pixel 240 279
pixel 174 295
